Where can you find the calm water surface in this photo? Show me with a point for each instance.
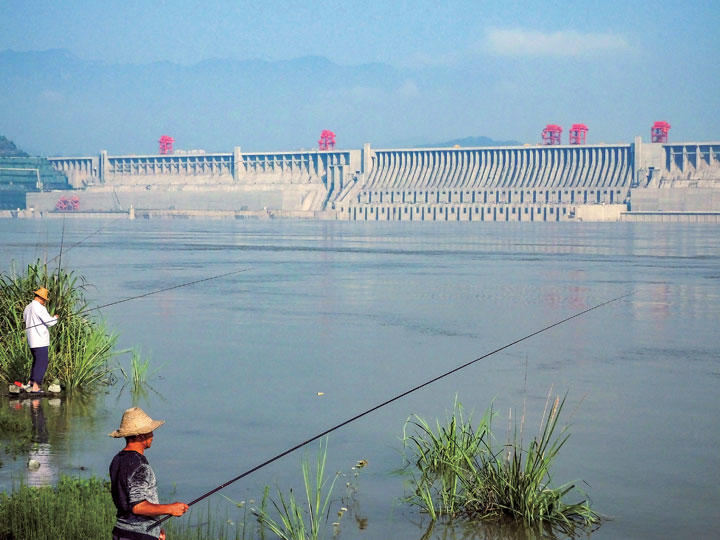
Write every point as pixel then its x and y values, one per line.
pixel 364 311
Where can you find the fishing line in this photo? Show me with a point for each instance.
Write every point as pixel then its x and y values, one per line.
pixel 76 244
pixel 387 402
pixel 117 301
pixel 165 289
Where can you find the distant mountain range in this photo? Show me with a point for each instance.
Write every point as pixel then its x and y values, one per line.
pixel 472 141
pixel 54 103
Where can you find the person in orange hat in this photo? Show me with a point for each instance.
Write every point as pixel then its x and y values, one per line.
pixel 132 481
pixel 37 322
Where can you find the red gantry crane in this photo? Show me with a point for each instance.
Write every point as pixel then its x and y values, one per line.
pixel 166 144
pixel 578 134
pixel 327 140
pixel 551 134
pixel 659 132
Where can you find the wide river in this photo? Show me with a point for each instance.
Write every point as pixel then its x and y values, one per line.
pixel 329 319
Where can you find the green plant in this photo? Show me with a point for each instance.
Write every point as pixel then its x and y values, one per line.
pixel 439 455
pixel 458 474
pixel 137 374
pixel 75 508
pixel 296 520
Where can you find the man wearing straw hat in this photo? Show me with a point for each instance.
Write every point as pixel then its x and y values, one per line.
pixel 132 481
pixel 37 321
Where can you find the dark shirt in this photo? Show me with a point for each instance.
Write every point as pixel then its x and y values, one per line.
pixel 132 481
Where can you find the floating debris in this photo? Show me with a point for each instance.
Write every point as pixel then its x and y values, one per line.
pixel 321 393
pixel 360 464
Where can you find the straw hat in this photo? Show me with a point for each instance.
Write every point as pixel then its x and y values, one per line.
pixel 135 422
pixel 42 292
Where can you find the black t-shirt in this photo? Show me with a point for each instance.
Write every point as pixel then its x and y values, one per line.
pixel 132 481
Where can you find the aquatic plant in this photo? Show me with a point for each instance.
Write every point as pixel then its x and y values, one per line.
pixel 80 346
pixel 439 455
pixel 459 474
pixel 296 520
pixel 136 375
pixel 207 525
pixel 138 372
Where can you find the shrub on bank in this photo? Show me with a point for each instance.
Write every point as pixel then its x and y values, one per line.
pixel 83 508
pixel 80 346
pixel 76 508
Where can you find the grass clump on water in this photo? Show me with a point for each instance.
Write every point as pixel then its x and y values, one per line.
pixel 296 519
pixel 80 346
pixel 457 472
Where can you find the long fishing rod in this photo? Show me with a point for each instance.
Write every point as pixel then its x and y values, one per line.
pixel 76 244
pixel 62 241
pixel 165 289
pixel 384 403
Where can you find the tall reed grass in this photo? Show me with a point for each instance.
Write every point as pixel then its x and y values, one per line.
pixel 139 371
pixel 301 520
pixel 80 346
pixel 457 471
pixel 136 375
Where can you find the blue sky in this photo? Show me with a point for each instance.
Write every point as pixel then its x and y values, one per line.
pixel 501 69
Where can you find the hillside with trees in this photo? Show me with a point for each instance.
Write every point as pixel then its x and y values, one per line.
pixel 8 148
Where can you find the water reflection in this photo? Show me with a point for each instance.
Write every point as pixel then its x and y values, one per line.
pixel 492 530
pixel 42 436
pixel 41 467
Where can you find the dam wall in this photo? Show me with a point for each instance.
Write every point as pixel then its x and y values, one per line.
pixel 327 168
pixel 511 183
pixel 687 164
pixel 502 167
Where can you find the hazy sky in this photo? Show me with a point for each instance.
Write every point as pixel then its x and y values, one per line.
pixel 614 65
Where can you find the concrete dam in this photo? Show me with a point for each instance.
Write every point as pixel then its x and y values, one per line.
pixel 601 182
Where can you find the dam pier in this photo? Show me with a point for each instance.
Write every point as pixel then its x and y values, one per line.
pixel 637 181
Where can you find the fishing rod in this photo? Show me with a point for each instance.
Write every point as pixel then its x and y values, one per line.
pixel 62 241
pixel 387 402
pixel 76 244
pixel 166 289
pixel 143 295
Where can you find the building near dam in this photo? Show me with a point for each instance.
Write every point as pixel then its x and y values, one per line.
pixel 638 181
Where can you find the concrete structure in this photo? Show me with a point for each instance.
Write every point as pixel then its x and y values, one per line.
pixel 519 183
pixel 19 175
